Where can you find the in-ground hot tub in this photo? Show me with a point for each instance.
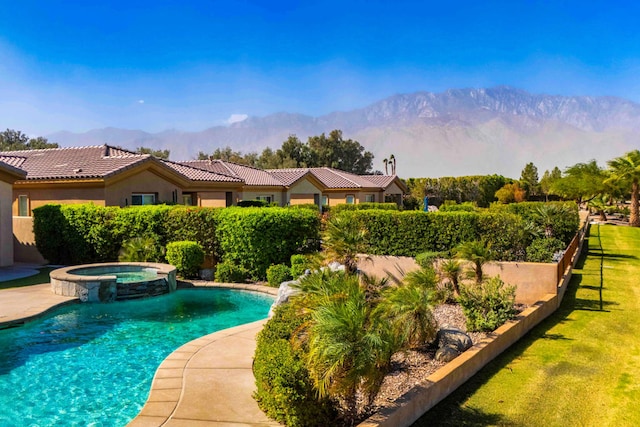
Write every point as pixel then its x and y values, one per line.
pixel 107 282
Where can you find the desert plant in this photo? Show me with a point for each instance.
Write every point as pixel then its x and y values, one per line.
pixel 278 273
pixel 478 253
pixel 426 259
pixel 186 256
pixel 342 240
pixel 140 249
pixel 451 270
pixel 299 264
pixel 228 272
pixel 487 305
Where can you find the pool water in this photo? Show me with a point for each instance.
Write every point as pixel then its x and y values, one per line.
pixel 92 364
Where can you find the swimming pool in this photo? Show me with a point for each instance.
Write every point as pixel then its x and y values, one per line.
pixel 92 364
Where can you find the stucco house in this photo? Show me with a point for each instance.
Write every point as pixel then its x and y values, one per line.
pixel 8 175
pixel 344 187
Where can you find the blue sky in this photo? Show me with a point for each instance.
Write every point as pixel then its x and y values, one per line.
pixel 189 65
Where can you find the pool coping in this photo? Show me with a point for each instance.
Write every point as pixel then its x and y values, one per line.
pixel 185 387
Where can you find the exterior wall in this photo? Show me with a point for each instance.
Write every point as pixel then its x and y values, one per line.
pixel 24 246
pixel 119 193
pixel 212 199
pixel 6 233
pixel 301 199
pixel 340 197
pixel 252 193
pixel 67 195
pixel 393 189
pixel 302 192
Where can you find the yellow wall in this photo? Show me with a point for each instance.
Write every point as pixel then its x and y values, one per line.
pixel 24 246
pixel 253 193
pixel 6 233
pixel 212 199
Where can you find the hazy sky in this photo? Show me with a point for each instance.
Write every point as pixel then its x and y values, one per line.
pixel 189 65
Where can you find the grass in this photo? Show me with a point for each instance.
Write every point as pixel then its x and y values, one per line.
pixel 41 277
pixel 581 366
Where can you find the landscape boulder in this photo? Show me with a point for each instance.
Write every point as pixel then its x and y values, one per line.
pixel 285 291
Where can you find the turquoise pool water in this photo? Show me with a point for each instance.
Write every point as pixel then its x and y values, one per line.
pixel 92 364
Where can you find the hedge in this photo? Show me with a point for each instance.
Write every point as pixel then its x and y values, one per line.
pixel 252 238
pixel 255 238
pixel 186 256
pixel 363 206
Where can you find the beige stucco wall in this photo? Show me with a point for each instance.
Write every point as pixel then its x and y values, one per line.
pixel 338 198
pixel 6 226
pixel 24 246
pixel 393 189
pixel 212 199
pixel 67 195
pixel 532 280
pixel 252 194
pixel 119 193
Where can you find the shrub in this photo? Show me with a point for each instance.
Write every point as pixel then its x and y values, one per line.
pixel 255 238
pixel 228 272
pixel 487 305
pixel 310 206
pixel 543 249
pixel 299 264
pixel 454 207
pixel 278 273
pixel 186 256
pixel 253 203
pixel 363 206
pixel 196 224
pixel 284 390
pixel 140 249
pixel 426 259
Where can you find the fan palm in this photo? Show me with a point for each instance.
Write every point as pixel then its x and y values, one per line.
pixel 478 253
pixel 342 240
pixel 625 170
pixel 451 270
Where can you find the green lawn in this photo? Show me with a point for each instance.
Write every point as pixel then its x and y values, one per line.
pixel 41 277
pixel 581 366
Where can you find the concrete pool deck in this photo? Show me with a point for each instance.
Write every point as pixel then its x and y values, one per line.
pixel 206 382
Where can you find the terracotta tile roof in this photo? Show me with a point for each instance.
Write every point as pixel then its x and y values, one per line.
pixel 74 162
pixel 380 180
pixel 250 175
pixel 329 177
pixel 12 169
pixel 94 162
pixel 198 174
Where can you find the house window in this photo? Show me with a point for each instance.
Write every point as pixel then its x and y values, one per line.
pixel 370 198
pixel 325 200
pixel 187 199
pixel 143 199
pixel 23 205
pixel 264 198
pixel 350 199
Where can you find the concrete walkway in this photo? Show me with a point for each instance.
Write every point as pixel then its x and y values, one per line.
pixel 19 305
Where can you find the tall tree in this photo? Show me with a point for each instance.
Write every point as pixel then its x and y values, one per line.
pixel 625 170
pixel 581 182
pixel 529 179
pixel 344 154
pixel 12 140
pixel 548 178
pixel 392 160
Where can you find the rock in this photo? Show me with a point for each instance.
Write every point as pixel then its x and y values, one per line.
pixel 207 274
pixel 285 291
pixel 336 266
pixel 453 337
pixel 447 354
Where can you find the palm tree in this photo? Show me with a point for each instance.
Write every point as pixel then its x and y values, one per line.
pixel 392 160
pixel 386 166
pixel 625 170
pixel 478 253
pixel 451 270
pixel 342 240
pixel 349 350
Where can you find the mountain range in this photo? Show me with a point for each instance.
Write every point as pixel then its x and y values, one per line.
pixel 453 133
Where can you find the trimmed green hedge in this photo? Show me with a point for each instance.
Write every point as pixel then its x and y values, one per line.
pixel 255 238
pixel 186 256
pixel 363 206
pixel 251 238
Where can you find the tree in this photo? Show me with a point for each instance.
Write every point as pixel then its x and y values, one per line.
pixel 343 240
pixel 335 152
pixel 625 170
pixel 478 253
pixel 14 140
pixel 529 179
pixel 386 166
pixel 160 154
pixel 293 149
pixel 580 182
pixel 548 178
pixel 510 193
pixel 392 161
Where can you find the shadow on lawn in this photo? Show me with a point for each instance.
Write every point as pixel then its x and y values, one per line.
pixel 452 412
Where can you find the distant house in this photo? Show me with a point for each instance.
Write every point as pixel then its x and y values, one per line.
pixel 344 187
pixel 110 176
pixel 8 175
